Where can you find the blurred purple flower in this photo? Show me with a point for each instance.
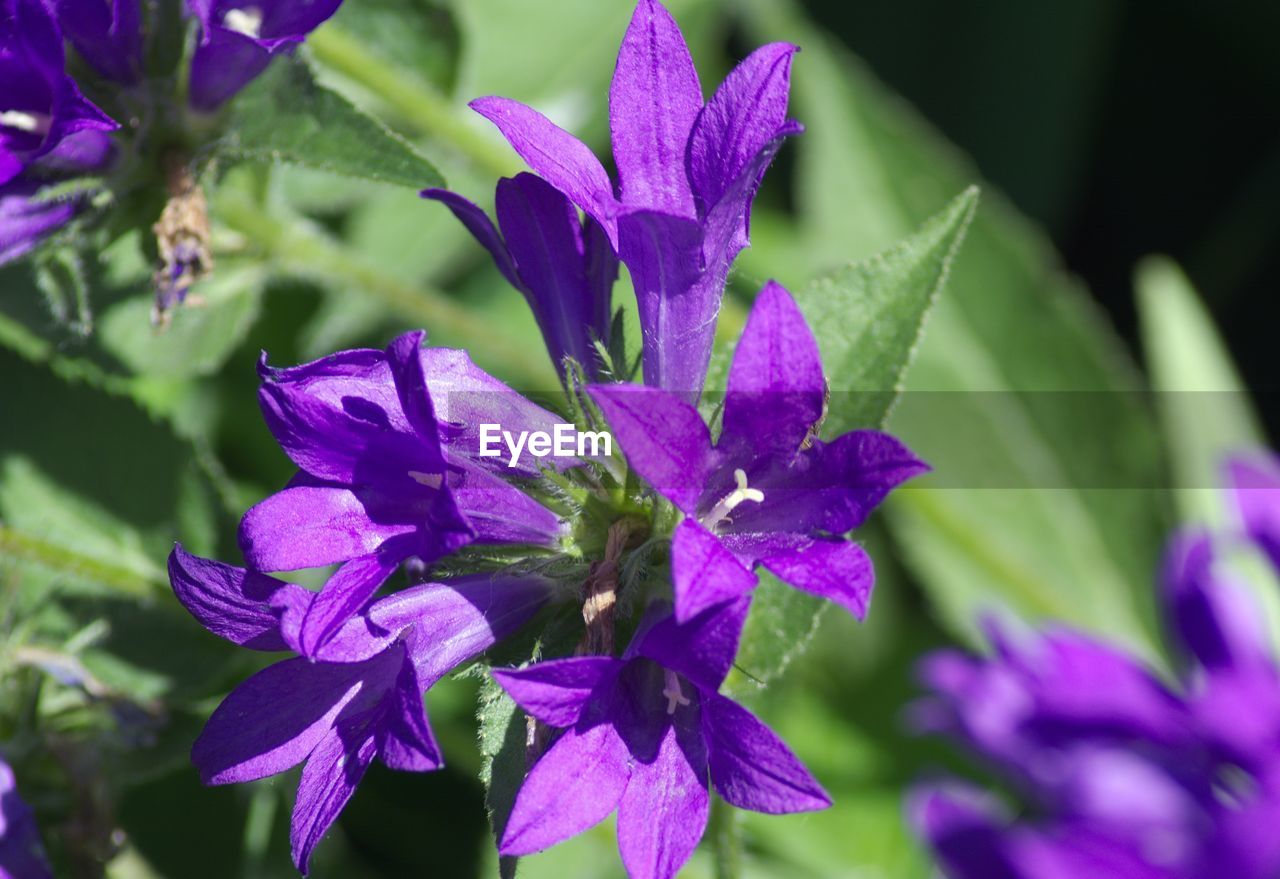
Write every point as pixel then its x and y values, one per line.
pixel 648 735
pixel 688 172
pixel 358 698
pixel 387 450
pixel 238 39
pixel 21 854
pixel 766 492
pixel 1124 775
pixel 40 105
pixel 564 267
pixel 107 33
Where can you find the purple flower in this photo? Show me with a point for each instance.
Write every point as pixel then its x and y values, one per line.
pixel 766 492
pixel 386 445
pixel 1125 776
pixel 359 698
pixel 648 735
pixel 21 854
pixel 564 267
pixel 688 172
pixel 107 34
pixel 1253 483
pixel 40 105
pixel 238 39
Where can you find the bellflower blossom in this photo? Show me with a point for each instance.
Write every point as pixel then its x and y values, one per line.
pixel 648 735
pixel 238 39
pixel 383 476
pixel 359 699
pixel 766 491
pixel 21 854
pixel 1126 777
pixel 40 105
pixel 108 35
pixel 687 170
pixel 564 267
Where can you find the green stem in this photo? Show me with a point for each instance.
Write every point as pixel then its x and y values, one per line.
pixel 418 102
pixel 300 248
pixel 726 840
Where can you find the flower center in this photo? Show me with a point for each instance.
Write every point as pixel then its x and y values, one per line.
pixel 675 695
pixel 430 480
pixel 720 512
pixel 36 123
pixel 247 21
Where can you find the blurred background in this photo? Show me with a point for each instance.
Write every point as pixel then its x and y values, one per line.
pixel 1101 132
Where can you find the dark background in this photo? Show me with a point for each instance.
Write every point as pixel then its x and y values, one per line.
pixel 1125 128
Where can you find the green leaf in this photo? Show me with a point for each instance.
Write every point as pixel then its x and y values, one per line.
pixel 1203 406
pixel 502 752
pixel 286 116
pixel 869 316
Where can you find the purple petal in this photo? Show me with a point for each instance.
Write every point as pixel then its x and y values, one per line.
pixel 231 602
pixel 556 691
pixel 747 111
pixel 408 371
pixel 273 720
pixel 1253 484
pixel 312 526
pixel 573 787
pixel 21 852
pixel 224 62
pixel 703 572
pixel 405 740
pixel 343 595
pixel 557 156
pixel 482 229
pixel 545 239
pixel 653 101
pixel 499 512
pixel 329 779
pixel 751 767
pixel 663 437
pixel 964 828
pixel 834 569
pixel 1216 620
pixel 25 221
pixel 107 35
pixel 702 649
pixel 664 811
pixel 776 386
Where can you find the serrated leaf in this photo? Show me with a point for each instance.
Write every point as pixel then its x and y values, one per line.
pixel 1203 405
pixel 502 752
pixel 286 116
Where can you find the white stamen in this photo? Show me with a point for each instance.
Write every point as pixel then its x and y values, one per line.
pixel 720 512
pixel 247 21
pixel 675 695
pixel 430 480
pixel 36 123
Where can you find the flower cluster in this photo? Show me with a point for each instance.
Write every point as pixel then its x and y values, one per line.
pixel 51 133
pixel 21 855
pixel 649 552
pixel 1125 773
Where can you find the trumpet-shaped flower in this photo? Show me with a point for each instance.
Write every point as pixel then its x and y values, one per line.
pixel 688 171
pixel 766 492
pixel 648 735
pixel 359 698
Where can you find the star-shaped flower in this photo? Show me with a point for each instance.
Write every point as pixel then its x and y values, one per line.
pixel 766 492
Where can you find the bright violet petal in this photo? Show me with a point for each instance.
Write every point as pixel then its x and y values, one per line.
pixel 664 811
pixel 404 357
pixel 498 511
pixel 744 114
pixel 345 593
pixel 273 720
pixel 1254 487
pixel 965 829
pixel 555 691
pixel 663 437
pixel 557 156
pixel 312 526
pixel 653 101
pixel 573 787
pixel 329 779
pixel 835 569
pixel 702 649
pixel 405 740
pixel 477 222
pixel 224 62
pixel 231 602
pixel 751 767
pixel 776 386
pixel 1216 620
pixel 703 572
pixel 22 854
